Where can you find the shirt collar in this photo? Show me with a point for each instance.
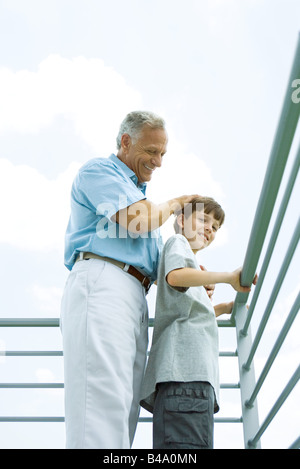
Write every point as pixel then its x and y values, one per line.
pixel 142 186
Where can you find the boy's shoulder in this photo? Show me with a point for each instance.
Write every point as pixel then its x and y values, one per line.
pixel 178 239
pixel 178 246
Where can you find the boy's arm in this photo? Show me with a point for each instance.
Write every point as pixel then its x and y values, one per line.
pixel 189 277
pixel 223 308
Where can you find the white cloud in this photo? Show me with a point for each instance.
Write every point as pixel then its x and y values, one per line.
pixel 44 375
pixel 95 97
pixel 48 299
pixel 85 91
pixel 34 210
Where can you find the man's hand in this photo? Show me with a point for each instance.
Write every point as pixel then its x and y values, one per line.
pixel 177 205
pixel 209 288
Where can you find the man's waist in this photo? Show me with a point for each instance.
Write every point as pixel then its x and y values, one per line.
pixel 130 269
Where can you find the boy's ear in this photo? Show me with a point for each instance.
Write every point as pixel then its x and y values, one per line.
pixel 180 220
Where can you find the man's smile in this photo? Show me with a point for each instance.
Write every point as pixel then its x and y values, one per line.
pixel 147 167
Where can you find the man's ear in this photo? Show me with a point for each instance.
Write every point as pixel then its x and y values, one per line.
pixel 125 142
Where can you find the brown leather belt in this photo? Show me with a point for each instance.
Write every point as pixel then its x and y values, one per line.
pixel 145 281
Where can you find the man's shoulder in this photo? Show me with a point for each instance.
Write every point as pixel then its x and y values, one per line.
pixel 97 164
pixel 101 167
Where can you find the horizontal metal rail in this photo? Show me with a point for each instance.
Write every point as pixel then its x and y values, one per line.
pixel 29 322
pixel 59 353
pixel 54 322
pixel 61 385
pixel 31 419
pixel 32 353
pixel 141 419
pixel 31 385
pixel 216 419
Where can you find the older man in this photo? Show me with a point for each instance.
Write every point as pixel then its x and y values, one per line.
pixel 112 249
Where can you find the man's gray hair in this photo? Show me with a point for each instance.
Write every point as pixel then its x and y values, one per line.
pixel 135 121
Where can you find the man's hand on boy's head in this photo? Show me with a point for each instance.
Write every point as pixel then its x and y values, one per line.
pixel 179 203
pixel 210 289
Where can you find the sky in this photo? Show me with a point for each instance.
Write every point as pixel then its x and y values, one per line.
pixel 70 70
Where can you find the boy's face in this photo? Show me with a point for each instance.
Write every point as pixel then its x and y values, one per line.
pixel 200 229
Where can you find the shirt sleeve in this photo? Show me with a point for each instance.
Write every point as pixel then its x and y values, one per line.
pixel 105 190
pixel 178 255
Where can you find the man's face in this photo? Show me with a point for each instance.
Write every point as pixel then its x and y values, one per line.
pixel 144 155
pixel 200 229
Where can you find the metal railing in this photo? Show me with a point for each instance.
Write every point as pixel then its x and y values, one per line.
pixel 241 316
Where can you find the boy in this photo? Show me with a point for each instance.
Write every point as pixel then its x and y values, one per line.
pixel 181 383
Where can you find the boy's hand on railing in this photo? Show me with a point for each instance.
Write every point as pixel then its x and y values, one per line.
pixel 235 281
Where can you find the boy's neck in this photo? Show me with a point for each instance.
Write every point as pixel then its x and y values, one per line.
pixel 195 251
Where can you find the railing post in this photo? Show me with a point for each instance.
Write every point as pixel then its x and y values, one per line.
pixel 247 378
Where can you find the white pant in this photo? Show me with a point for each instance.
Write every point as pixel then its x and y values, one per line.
pixel 104 323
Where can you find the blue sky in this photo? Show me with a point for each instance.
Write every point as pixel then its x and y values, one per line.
pixel 217 72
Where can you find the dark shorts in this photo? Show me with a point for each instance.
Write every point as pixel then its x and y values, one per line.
pixel 183 416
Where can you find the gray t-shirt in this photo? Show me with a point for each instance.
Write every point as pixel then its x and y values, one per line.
pixel 185 344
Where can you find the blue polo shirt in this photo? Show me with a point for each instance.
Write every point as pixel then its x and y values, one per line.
pixel 102 187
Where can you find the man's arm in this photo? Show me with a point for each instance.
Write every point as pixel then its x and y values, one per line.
pixel 144 216
pixel 189 277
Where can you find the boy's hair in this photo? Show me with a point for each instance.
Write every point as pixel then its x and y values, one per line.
pixel 208 204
